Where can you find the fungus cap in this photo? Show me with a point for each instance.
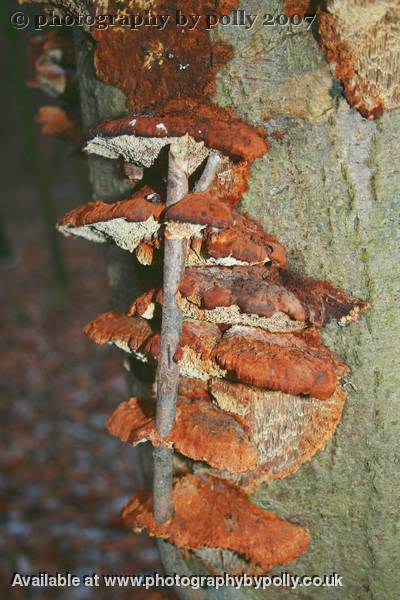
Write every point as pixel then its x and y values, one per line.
pixel 287 430
pixel 264 297
pixel 128 223
pixel 214 514
pixel 287 362
pixel 202 432
pixel 201 126
pixel 126 333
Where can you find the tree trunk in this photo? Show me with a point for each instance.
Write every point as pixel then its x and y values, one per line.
pixel 329 189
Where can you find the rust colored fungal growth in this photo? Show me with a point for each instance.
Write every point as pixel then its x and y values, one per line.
pixel 291 363
pixel 244 242
pixel 194 389
pixel 214 514
pixel 242 296
pixel 195 212
pixel 230 182
pixel 201 432
pixel 244 389
pixel 53 62
pixel 255 296
pixel 145 305
pixel 135 336
pixel 264 297
pixel 298 7
pixel 126 333
pixel 151 65
pixel 195 352
pixel 361 38
pixel 209 127
pixel 287 430
pixel 285 362
pixel 54 121
pixel 323 302
pixel 128 223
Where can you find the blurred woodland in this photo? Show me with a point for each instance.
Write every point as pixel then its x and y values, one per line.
pixel 63 479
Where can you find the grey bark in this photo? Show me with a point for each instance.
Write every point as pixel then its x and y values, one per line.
pixel 330 191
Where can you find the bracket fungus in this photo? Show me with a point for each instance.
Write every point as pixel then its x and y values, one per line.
pixel 361 38
pixel 202 432
pixel 258 296
pixel 245 392
pixel 118 329
pixel 214 514
pixel 134 224
pixel 204 127
pixel 287 362
pixel 53 62
pixel 287 430
pixel 54 121
pixel 193 131
pixel 128 223
pixel 263 297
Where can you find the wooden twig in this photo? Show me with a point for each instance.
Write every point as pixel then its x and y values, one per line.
pixel 167 378
pixel 210 170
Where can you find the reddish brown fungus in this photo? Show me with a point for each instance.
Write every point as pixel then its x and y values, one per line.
pixel 288 430
pixel 129 223
pixel 274 361
pixel 219 128
pixel 201 208
pixel 201 432
pixel 116 328
pixel 175 63
pixel 137 208
pixel 214 514
pixel 54 121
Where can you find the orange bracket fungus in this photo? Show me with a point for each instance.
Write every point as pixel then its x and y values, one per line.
pixel 291 363
pixel 288 430
pixel 128 223
pixel 194 131
pixel 210 513
pixel 361 40
pixel 201 432
pixel 139 138
pixel 260 297
pixel 245 392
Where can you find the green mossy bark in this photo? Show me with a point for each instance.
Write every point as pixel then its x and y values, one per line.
pixel 330 191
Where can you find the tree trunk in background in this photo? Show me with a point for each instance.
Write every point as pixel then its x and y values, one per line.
pixel 329 189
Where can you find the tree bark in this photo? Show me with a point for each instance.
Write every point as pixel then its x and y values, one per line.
pixel 329 189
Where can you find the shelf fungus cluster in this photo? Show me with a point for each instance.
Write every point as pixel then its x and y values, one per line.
pixel 258 394
pixel 361 41
pixel 53 65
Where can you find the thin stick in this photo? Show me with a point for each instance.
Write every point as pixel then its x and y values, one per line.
pixel 167 377
pixel 210 170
